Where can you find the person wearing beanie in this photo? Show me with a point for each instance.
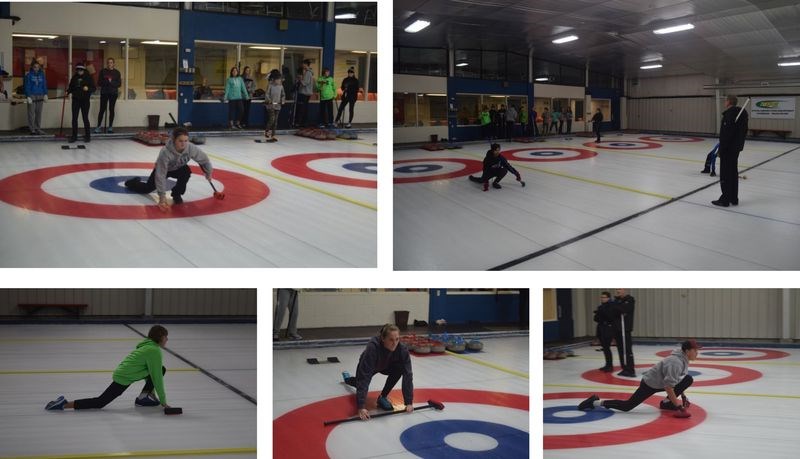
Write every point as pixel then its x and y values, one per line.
pixel 495 166
pixel 350 87
pixel 670 375
pixel 81 86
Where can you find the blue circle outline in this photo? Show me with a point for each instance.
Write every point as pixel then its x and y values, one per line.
pixel 426 440
pixel 588 416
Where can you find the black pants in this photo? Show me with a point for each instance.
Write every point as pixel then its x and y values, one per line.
pixel 625 353
pixel 301 109
pixel 510 125
pixel 560 127
pixel 486 131
pixel 235 110
pixel 394 374
pixel 496 172
pixel 352 103
pixel 245 112
pixel 605 333
pixel 643 392
pixel 596 129
pixel 113 391
pixel 82 105
pixel 107 100
pixel 182 174
pixel 326 112
pixel 729 176
pixel 569 126
pixel 535 129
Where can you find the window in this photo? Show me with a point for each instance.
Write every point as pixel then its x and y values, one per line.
pixel 362 13
pixel 468 63
pixel 213 62
pixel 153 69
pixel 572 76
pixel 94 52
pixel 558 74
pixel 517 67
pixel 292 68
pixel 605 107
pixel 405 109
pixel 52 54
pixel 493 65
pixel 344 60
pixel 312 11
pixel 578 110
pixel 261 59
pixel 432 109
pixel 469 106
pixel 421 61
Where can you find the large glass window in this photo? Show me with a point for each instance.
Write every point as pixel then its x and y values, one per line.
pixel 153 69
pixel 468 63
pixel 51 51
pixel 261 59
pixel 344 60
pixel 213 62
pixel 432 109
pixel 421 61
pixel 405 109
pixel 605 107
pixel 362 13
pixel 94 52
pixel 292 68
pixel 469 107
pixel 493 65
pixel 312 11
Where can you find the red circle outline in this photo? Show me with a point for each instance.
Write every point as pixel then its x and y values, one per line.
pixel 769 354
pixel 471 166
pixel 297 165
pixel 300 433
pixel 25 190
pixel 649 146
pixel 649 138
pixel 737 375
pixel 662 426
pixel 583 154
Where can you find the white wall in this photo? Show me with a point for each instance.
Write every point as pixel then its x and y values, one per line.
pixel 354 309
pixel 356 37
pixel 419 84
pixel 550 91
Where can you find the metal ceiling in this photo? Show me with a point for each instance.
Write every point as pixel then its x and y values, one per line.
pixel 734 40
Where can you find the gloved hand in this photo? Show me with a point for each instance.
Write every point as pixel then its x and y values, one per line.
pixel 685 400
pixel 45 97
pixel 29 100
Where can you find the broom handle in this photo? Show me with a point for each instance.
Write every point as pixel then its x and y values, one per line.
pixel 357 418
pixel 742 109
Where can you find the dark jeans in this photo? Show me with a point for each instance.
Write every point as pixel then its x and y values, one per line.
pixel 301 109
pixel 326 112
pixel 394 374
pixel 729 176
pixel 81 105
pixel 569 126
pixel 182 174
pixel 625 353
pixel 496 172
pixel 235 110
pixel 605 332
pixel 245 112
pixel 643 392
pixel 113 391
pixel 510 128
pixel 596 129
pixel 352 103
pixel 107 100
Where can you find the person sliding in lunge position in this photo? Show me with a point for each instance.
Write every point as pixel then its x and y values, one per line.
pixel 495 166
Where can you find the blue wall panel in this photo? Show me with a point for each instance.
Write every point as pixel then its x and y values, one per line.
pixel 463 308
pixel 614 95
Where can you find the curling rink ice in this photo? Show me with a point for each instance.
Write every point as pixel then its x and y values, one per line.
pixel 40 362
pixel 745 402
pixel 486 408
pixel 295 203
pixel 590 206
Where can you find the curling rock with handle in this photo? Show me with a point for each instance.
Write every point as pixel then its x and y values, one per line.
pixel 454 346
pixel 437 347
pixel 422 348
pixel 475 345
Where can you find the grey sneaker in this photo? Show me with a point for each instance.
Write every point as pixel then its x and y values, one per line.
pixel 295 336
pixel 97 130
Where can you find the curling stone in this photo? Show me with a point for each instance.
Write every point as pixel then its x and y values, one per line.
pixel 474 345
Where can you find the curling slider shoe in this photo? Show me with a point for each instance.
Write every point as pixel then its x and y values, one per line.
pixel 57 404
pixel 148 400
pixel 385 404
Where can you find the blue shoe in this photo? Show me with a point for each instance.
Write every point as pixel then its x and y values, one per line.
pixel 385 404
pixel 110 130
pixel 149 400
pixel 57 404
pixel 345 375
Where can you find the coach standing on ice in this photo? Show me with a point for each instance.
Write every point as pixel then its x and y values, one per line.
pixel 731 143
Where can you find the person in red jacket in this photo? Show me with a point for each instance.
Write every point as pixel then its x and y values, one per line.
pixel 145 362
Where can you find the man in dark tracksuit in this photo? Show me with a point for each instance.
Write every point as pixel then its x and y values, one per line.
pixel 386 355
pixel 622 309
pixel 605 329
pixel 731 143
pixel 495 166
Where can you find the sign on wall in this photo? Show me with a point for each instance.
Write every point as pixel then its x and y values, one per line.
pixel 781 108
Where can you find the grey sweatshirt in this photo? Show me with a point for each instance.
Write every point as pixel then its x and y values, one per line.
pixel 377 358
pixel 275 95
pixel 169 160
pixel 668 372
pixel 307 83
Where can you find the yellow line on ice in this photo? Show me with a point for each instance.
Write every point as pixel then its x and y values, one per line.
pixel 297 183
pixel 356 141
pixel 490 365
pixel 156 453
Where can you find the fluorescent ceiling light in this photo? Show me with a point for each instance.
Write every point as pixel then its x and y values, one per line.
pixel 31 35
pixel 436 95
pixel 345 16
pixel 566 39
pixel 358 52
pixel 265 47
pixel 159 42
pixel 417 25
pixel 462 64
pixel 103 42
pixel 674 29
pixel 122 42
pixel 787 64
pixel 542 79
pixel 653 66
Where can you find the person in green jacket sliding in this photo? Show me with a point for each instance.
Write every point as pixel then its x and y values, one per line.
pixel 327 92
pixel 145 362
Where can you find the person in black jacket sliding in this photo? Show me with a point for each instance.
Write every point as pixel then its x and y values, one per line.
pixel 349 96
pixel 731 142
pixel 495 166
pixel 386 355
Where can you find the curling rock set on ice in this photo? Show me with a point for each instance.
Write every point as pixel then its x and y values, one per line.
pixel 437 344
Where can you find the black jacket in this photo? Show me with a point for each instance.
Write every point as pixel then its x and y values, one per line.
pixel 77 83
pixel 109 81
pixel 490 161
pixel 603 314
pixel 732 132
pixel 350 88
pixel 375 359
pixel 624 305
pixel 598 117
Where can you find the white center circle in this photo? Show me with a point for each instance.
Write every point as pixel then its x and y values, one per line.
pixel 568 414
pixel 470 441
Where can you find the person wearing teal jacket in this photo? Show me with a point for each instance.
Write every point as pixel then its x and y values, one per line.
pixel 327 92
pixel 235 94
pixel 144 362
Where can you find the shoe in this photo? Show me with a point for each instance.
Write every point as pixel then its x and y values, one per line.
pixel 295 336
pixel 607 369
pixel 97 130
pixel 385 404
pixel 177 199
pixel 705 171
pixel 496 186
pixel 485 186
pixel 110 130
pixel 87 139
pixel 627 373
pixel 33 133
pixel 666 404
pixel 321 126
pixel 713 174
pixel 720 202
pixel 40 132
pixel 348 125
pixel 735 202
pixel 475 179
pixel 147 400
pixel 130 182
pixel 276 337
pixel 588 404
pixel 57 404
pixel 72 139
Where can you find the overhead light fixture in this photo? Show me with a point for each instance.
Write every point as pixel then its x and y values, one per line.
pixel 566 39
pixel 677 28
pixel 417 25
pixel 345 16
pixel 159 42
pixel 103 42
pixel 652 66
pixel 122 42
pixel 436 95
pixel 788 64
pixel 462 64
pixel 542 79
pixel 274 48
pixel 31 35
pixel 358 52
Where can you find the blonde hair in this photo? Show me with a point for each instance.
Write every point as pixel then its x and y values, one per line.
pixel 388 328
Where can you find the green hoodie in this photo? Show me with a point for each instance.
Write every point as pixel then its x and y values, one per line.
pixel 144 361
pixel 325 88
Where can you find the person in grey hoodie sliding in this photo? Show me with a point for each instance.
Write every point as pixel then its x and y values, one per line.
pixel 172 162
pixel 670 375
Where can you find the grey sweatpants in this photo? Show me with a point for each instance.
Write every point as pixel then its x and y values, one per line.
pixel 287 299
pixel 35 113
